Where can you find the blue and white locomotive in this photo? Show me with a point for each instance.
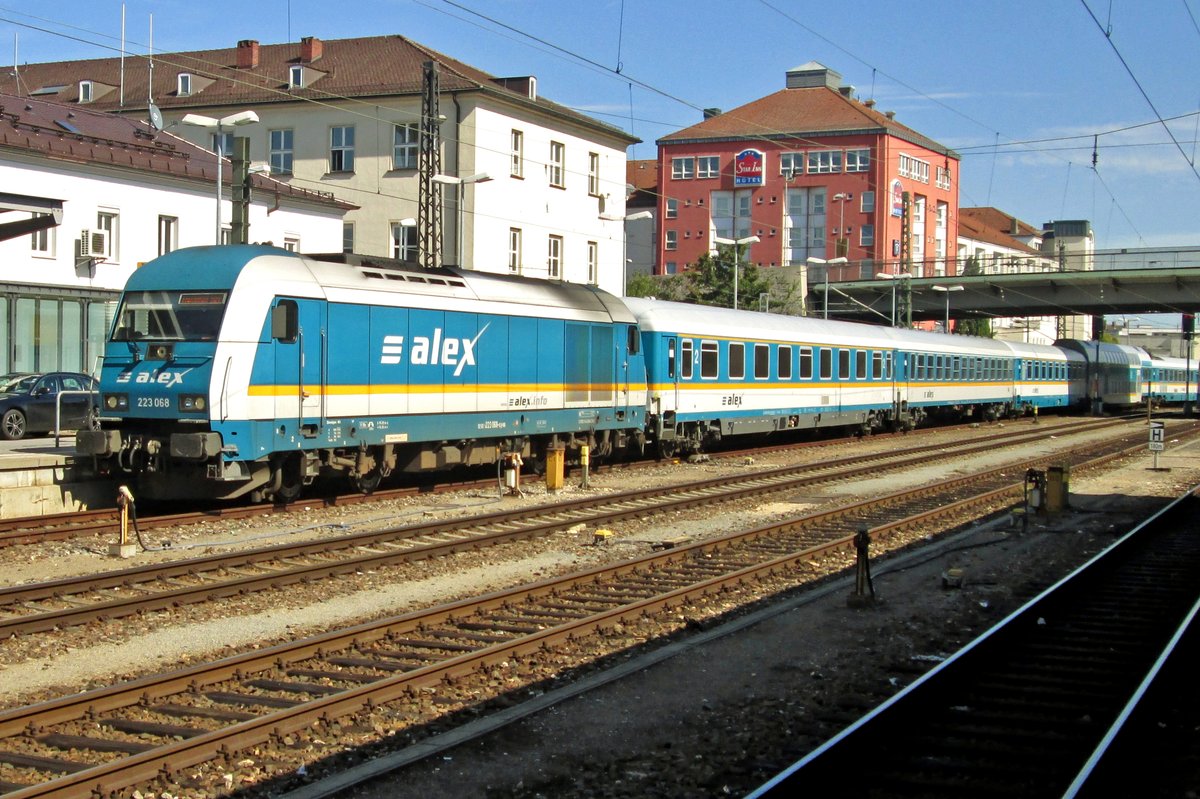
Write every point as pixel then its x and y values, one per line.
pixel 251 370
pixel 247 370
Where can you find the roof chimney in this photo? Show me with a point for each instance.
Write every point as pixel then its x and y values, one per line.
pixel 890 114
pixel 310 49
pixel 869 103
pixel 247 54
pixel 709 113
pixel 1016 226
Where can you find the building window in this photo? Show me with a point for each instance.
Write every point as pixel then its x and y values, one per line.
pixel 296 76
pixel 554 257
pixel 594 174
pixel 558 159
pixel 291 243
pixel 341 148
pixel 347 237
pixel 406 140
pixel 168 234
pixel 514 250
pixel 672 208
pixel 914 168
pixel 222 144
pixel 43 240
pixel 184 85
pixel 108 221
pixel 85 91
pixel 867 202
pixel 825 162
pixel 672 239
pixel 708 166
pixel 791 164
pixel 730 213
pixel 281 151
pixel 943 177
pixel 683 168
pixel 404 242
pixel 866 235
pixel 672 267
pixel 517 159
pixel 593 262
pixel 858 160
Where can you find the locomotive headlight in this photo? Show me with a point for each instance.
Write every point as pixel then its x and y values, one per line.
pixel 116 402
pixel 192 402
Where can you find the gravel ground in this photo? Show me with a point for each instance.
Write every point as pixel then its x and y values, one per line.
pixel 765 696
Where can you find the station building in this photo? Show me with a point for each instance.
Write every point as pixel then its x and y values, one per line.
pixel 529 186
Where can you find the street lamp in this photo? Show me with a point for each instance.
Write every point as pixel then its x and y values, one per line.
pixel 451 180
pixel 841 198
pixel 231 121
pixel 826 263
pixel 735 243
pixel 894 278
pixel 625 241
pixel 946 290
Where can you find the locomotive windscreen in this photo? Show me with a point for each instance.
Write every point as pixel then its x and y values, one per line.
pixel 170 315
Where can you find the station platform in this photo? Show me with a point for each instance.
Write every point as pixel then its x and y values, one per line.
pixel 39 477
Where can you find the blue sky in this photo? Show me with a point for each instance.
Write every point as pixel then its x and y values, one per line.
pixel 1039 78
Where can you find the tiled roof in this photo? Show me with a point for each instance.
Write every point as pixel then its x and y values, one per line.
pixel 83 136
pixel 993 226
pixel 796 113
pixel 374 66
pixel 642 176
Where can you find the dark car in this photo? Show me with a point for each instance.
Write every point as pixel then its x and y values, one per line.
pixel 29 401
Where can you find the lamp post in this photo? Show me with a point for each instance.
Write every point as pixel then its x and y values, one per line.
pixel 231 121
pixel 946 290
pixel 894 278
pixel 841 198
pixel 735 243
pixel 623 218
pixel 826 263
pixel 451 180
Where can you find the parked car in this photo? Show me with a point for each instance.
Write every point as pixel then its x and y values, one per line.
pixel 29 401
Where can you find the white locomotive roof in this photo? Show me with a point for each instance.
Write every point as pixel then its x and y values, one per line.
pixel 703 321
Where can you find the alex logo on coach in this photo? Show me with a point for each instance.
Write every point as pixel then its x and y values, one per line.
pixel 434 350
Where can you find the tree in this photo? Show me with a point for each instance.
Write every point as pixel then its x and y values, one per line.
pixel 712 280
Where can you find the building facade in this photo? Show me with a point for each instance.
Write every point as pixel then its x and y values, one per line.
pixel 528 186
pixel 88 197
pixel 813 173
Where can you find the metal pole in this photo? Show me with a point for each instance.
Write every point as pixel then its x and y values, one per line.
pixel 735 275
pixel 826 291
pixel 946 324
pixel 219 148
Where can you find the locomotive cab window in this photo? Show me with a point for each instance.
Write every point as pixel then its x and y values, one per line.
pixel 170 315
pixel 285 323
pixel 635 340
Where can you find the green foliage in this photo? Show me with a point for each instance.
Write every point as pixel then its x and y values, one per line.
pixel 709 281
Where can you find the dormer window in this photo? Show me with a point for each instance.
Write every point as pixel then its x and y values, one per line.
pixel 296 77
pixel 185 84
pixel 85 91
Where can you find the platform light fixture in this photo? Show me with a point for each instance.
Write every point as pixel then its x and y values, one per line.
pixel 623 218
pixel 459 190
pixel 946 290
pixel 230 121
pixel 735 243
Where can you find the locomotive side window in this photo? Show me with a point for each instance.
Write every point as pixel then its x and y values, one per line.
pixel 806 363
pixel 685 359
pixel 783 362
pixel 285 321
pixel 737 362
pixel 635 340
pixel 709 354
pixel 762 361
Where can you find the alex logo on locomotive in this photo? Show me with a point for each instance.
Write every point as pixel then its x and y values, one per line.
pixel 432 351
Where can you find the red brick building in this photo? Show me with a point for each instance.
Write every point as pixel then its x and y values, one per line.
pixel 813 173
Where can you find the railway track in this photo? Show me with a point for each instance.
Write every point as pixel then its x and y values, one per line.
pixel 1060 699
pixel 292 700
pixel 47 606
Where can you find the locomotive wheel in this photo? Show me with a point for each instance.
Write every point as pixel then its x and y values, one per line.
pixel 286 475
pixel 667 449
pixel 367 483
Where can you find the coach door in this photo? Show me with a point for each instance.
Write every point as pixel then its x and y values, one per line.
pixel 901 375
pixel 298 333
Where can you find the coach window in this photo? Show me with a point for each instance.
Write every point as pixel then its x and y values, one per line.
pixel 887 366
pixel 709 354
pixel 635 340
pixel 806 363
pixel 826 364
pixel 860 365
pixel 843 364
pixel 783 362
pixel 737 361
pixel 762 361
pixel 284 324
pixel 685 359
pixel 671 358
pixel 877 365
